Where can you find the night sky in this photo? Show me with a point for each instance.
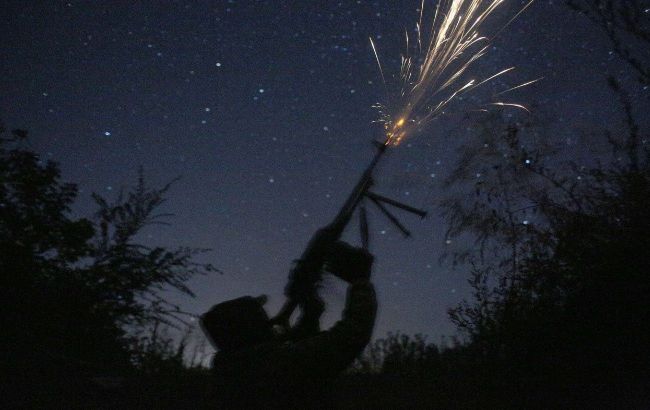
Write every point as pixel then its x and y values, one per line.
pixel 264 109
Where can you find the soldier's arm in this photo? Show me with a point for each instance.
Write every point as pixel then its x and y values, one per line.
pixel 329 352
pixel 342 343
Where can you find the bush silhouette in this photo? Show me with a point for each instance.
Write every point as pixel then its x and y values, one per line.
pixel 76 290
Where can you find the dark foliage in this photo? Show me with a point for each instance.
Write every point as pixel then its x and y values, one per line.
pixel 76 291
pixel 560 309
pixel 560 316
pixel 560 268
pixel 627 26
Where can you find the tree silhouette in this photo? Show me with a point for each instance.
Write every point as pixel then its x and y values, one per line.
pixel 76 291
pixel 627 26
pixel 560 266
pixel 559 270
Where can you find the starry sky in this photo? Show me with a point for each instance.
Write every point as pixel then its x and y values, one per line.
pixel 264 109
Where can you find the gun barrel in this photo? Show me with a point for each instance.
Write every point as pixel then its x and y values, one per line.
pixel 307 269
pixel 359 191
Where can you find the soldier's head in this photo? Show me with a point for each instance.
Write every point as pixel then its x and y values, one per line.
pixel 237 323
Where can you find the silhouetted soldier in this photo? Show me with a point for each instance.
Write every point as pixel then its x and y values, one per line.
pixel 257 368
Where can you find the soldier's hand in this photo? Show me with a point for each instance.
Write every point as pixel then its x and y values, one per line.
pixel 349 263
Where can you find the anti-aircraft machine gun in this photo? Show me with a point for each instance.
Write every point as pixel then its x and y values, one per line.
pixel 302 289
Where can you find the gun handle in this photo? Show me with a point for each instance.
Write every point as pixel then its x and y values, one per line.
pixel 282 318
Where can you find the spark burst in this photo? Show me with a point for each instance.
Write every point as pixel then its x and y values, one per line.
pixel 434 75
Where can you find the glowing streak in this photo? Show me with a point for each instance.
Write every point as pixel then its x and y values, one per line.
pixel 502 104
pixel 500 73
pixel 520 86
pixel 454 44
pixel 421 15
pixel 514 18
pixel 381 70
